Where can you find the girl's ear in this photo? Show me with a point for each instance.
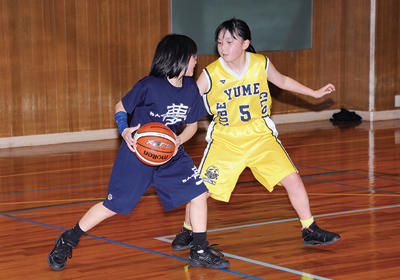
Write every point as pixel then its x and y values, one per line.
pixel 246 44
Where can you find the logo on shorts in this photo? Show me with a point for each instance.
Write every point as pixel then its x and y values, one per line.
pixel 109 197
pixel 195 176
pixel 211 175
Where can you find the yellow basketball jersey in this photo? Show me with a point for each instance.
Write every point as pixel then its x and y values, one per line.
pixel 236 100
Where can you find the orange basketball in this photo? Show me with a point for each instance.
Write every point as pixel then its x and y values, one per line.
pixel 155 143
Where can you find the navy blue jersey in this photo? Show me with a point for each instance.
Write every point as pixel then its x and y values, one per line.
pixel 177 181
pixel 156 100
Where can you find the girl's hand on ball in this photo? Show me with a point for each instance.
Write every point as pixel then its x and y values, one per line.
pixel 178 143
pixel 128 137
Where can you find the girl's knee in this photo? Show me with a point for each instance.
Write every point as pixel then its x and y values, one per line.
pixel 201 197
pixel 292 180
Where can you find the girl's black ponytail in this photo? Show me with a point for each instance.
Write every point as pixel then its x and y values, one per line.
pixel 251 49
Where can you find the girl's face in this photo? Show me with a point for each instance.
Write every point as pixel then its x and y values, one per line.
pixel 230 48
pixel 192 64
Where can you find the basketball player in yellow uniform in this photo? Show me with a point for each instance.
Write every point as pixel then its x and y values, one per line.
pixel 235 91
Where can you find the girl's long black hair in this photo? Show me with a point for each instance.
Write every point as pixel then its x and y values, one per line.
pixel 235 27
pixel 172 56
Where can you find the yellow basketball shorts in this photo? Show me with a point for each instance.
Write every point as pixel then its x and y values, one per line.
pixel 231 149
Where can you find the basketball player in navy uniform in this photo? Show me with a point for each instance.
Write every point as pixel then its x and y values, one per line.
pixel 169 96
pixel 235 91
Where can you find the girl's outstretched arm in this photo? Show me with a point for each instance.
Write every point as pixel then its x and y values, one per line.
pixel 288 83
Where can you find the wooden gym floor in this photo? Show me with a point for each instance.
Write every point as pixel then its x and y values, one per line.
pixel 351 172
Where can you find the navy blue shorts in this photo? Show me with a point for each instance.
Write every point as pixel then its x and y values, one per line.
pixel 176 182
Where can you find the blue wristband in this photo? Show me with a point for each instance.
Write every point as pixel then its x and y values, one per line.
pixel 122 121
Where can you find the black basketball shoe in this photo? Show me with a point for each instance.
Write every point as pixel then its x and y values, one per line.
pixel 314 235
pixel 205 256
pixel 183 240
pixel 61 251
